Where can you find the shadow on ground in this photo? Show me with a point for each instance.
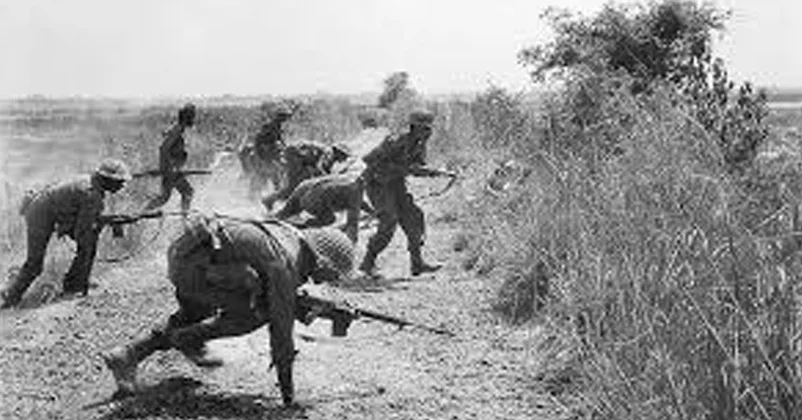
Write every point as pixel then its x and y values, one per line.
pixel 181 398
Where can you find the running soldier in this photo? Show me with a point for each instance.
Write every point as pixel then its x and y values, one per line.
pixel 387 167
pixel 70 208
pixel 302 161
pixel 231 277
pixel 172 157
pixel 262 160
pixel 324 196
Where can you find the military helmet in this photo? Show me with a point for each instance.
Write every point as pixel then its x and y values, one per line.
pixel 421 117
pixel 279 110
pixel 113 169
pixel 187 113
pixel 333 249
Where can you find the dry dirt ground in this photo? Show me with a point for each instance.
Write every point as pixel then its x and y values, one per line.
pixel 50 365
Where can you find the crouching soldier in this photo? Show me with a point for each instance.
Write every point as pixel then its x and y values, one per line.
pixel 322 197
pixel 70 208
pixel 302 161
pixel 232 276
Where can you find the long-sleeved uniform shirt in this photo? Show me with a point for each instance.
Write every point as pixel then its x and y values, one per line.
pixel 74 207
pixel 173 151
pixel 394 158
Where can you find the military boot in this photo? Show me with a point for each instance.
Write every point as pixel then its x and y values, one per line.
pixel 122 364
pixel 286 385
pixel 122 361
pixel 6 301
pixel 418 266
pixel 368 265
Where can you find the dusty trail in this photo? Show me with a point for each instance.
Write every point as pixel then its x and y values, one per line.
pixel 50 366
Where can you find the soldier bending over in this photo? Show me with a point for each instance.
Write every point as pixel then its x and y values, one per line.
pixel 70 208
pixel 232 276
pixel 302 161
pixel 324 196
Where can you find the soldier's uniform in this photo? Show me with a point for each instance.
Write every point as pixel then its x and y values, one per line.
pixel 324 196
pixel 302 161
pixel 262 161
pixel 388 165
pixel 232 276
pixel 172 157
pixel 70 208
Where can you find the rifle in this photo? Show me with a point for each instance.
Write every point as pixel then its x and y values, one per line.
pixel 156 172
pixel 426 171
pixel 307 308
pixel 431 172
pixel 117 221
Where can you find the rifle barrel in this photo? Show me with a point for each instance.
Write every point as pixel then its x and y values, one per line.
pixel 400 321
pixel 159 173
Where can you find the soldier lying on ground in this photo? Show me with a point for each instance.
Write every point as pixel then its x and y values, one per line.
pixel 70 208
pixel 324 196
pixel 172 157
pixel 302 161
pixel 232 276
pixel 261 159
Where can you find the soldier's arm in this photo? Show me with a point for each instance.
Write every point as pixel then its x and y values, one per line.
pixel 87 227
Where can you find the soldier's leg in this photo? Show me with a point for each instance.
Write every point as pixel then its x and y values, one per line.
pixel 385 205
pixel 291 208
pixel 270 200
pixel 77 278
pixel 168 183
pixel 38 235
pixel 411 219
pixel 235 317
pixel 284 192
pixel 123 360
pixel 323 216
pixel 234 293
pixel 187 192
pixel 354 204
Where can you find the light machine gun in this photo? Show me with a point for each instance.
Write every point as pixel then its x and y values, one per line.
pixel 308 307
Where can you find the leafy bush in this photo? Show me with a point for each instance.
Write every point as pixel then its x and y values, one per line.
pixel 640 48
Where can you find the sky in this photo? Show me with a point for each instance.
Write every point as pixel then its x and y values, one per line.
pixel 151 48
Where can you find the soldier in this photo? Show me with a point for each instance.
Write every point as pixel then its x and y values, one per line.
pixel 323 196
pixel 172 157
pixel 262 160
pixel 69 208
pixel 232 276
pixel 302 161
pixel 387 167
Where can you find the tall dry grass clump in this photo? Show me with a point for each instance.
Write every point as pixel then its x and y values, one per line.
pixel 673 281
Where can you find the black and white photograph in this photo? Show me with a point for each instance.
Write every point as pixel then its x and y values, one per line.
pixel 401 209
